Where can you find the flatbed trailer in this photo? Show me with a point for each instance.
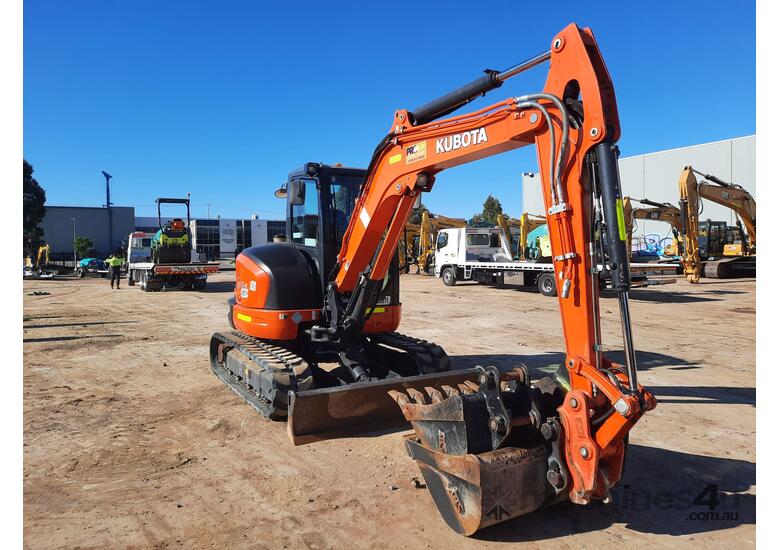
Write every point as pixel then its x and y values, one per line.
pixel 455 246
pixel 542 275
pixel 153 277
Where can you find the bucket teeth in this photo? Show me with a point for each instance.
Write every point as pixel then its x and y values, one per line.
pixel 463 388
pixel 449 391
pixel 434 394
pixel 417 396
pixel 474 387
pixel 399 397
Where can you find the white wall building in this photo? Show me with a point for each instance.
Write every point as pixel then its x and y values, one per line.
pixel 655 176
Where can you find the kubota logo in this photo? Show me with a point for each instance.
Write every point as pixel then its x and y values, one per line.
pixel 458 141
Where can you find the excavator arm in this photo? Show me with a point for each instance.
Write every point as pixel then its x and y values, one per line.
pixel 574 125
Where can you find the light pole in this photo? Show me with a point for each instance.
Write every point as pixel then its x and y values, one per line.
pixel 75 261
pixel 108 205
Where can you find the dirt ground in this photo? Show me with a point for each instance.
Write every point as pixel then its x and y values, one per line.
pixel 131 441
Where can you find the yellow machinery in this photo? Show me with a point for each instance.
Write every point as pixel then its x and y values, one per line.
pixel 43 253
pixel 661 212
pixel 526 224
pixel 407 246
pixel 429 227
pixel 696 234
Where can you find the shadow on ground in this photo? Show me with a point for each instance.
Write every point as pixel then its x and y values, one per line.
pixel 68 338
pixel 84 324
pixel 658 495
pixel 549 361
pixel 219 286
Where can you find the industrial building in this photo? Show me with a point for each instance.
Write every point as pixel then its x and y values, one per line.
pixel 655 176
pixel 61 223
pixel 219 237
pixel 214 238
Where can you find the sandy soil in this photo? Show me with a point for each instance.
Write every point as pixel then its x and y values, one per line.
pixel 131 441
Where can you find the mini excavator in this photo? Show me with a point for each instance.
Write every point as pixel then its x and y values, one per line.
pixel 314 324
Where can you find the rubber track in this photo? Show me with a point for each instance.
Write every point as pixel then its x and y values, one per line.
pixel 430 357
pixel 282 370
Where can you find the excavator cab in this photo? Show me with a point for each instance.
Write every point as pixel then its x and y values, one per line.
pixel 712 238
pixel 320 201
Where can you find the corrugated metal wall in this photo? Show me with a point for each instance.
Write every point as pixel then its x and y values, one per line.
pixel 654 176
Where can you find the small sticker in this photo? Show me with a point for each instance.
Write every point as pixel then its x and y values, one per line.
pixel 297 317
pixel 395 158
pixel 253 286
pixel 416 152
pixel 365 217
pixel 245 318
pixel 244 293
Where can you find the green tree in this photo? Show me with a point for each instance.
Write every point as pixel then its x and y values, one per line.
pixel 34 198
pixel 416 216
pixel 84 247
pixel 491 208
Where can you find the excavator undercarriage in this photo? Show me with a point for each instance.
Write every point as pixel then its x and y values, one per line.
pixel 277 381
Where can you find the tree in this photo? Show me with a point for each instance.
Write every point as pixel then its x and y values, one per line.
pixel 83 247
pixel 491 208
pixel 417 213
pixel 34 198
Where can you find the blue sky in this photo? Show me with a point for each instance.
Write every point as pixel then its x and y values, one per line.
pixel 223 98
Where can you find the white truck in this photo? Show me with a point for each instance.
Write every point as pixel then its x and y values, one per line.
pixel 153 276
pixel 482 255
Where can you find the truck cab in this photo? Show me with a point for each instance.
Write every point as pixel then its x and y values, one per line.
pixel 139 247
pixel 470 244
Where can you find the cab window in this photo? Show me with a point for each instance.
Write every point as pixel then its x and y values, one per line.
pixel 306 217
pixel 441 241
pixel 477 239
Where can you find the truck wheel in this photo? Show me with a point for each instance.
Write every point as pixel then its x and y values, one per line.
pixel 448 276
pixel 130 280
pixel 546 284
pixel 80 273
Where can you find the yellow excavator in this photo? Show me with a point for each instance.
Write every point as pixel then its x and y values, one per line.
pixel 658 211
pixel 408 247
pixel 429 227
pixel 526 224
pixel 706 249
pixel 43 254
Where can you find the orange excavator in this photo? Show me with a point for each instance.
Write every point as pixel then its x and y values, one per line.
pixel 314 325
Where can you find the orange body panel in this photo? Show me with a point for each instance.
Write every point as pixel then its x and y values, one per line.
pixel 248 272
pixel 285 324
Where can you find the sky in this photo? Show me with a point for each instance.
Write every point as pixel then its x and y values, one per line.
pixel 223 98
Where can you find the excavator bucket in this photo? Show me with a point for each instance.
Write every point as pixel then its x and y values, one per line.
pixel 343 411
pixel 484 451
